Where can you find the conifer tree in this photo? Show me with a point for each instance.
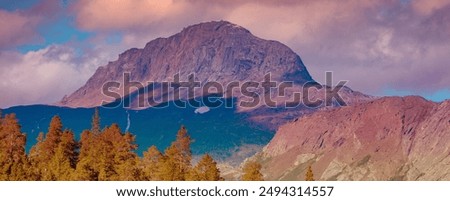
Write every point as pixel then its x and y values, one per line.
pixel 62 164
pixel 105 154
pixel 86 169
pixel 13 159
pixel 177 162
pixel 44 151
pixel 96 123
pixel 252 172
pixel 309 176
pixel 111 157
pixel 52 138
pixel 88 165
pixel 3 156
pixel 150 161
pixel 168 167
pixel 35 159
pixel 86 143
pixel 184 156
pixel 126 159
pixel 205 170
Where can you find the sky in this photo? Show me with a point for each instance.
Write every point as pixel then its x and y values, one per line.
pixel 49 48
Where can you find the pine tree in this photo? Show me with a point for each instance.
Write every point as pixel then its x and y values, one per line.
pixel 184 156
pixel 44 151
pixel 126 159
pixel 309 176
pixel 205 170
pixel 52 138
pixel 177 160
pixel 3 156
pixel 13 159
pixel 91 145
pixel 86 143
pixel 252 172
pixel 86 169
pixel 105 154
pixel 150 162
pixel 62 164
pixel 96 123
pixel 110 157
pixel 35 159
pixel 168 167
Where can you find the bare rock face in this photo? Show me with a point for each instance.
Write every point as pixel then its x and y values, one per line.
pixel 214 51
pixel 391 138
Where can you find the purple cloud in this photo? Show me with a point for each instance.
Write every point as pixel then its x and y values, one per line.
pixel 373 44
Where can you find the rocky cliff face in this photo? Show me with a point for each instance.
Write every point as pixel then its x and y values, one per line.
pixel 390 138
pixel 214 51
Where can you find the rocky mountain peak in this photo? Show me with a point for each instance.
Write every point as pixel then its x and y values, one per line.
pixel 218 50
pixel 214 28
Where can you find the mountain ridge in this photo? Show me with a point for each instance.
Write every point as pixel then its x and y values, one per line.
pixel 217 51
pixel 214 51
pixel 390 138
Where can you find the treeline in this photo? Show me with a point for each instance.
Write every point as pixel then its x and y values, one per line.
pixel 101 155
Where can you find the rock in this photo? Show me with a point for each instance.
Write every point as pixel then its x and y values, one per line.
pixel 391 138
pixel 214 51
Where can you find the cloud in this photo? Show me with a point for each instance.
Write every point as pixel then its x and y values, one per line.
pixel 376 45
pixel 16 28
pixel 119 15
pixel 427 7
pixel 20 27
pixel 373 44
pixel 383 46
pixel 43 76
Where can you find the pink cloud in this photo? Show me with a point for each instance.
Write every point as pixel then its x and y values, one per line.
pixel 44 76
pixel 37 76
pixel 20 26
pixel 16 28
pixel 373 44
pixel 118 15
pixel 427 7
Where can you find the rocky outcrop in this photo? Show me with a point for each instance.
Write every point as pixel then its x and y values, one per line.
pixel 391 138
pixel 214 51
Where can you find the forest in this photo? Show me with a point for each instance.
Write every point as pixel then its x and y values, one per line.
pixel 102 154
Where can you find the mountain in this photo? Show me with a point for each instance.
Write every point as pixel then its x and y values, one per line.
pixel 213 51
pixel 390 138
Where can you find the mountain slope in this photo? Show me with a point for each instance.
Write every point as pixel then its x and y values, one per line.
pixel 390 138
pixel 218 132
pixel 214 51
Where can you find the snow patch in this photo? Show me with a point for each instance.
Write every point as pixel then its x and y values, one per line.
pixel 202 110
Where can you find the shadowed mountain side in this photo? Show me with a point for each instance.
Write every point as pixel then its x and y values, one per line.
pixel 218 131
pixel 295 102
